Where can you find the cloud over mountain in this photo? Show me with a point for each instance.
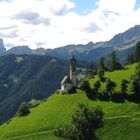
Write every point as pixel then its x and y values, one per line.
pixel 55 23
pixel 29 17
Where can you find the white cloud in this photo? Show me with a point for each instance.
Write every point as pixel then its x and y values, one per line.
pixel 117 6
pixel 51 23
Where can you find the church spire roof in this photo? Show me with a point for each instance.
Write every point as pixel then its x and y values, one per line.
pixel 73 58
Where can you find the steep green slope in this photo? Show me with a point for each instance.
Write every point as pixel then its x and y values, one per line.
pixel 122 120
pixel 117 77
pixel 58 109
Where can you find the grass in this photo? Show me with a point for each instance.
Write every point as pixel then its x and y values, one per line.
pixel 117 77
pixel 121 128
pixel 122 120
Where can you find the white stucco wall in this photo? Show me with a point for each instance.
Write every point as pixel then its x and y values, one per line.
pixel 66 87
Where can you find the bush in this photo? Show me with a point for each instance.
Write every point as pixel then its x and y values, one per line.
pixel 34 103
pixel 85 86
pixel 23 109
pixel 85 121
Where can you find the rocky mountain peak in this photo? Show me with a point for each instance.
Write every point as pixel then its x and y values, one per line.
pixel 2 48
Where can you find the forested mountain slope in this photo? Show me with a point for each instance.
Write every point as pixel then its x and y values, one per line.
pixel 23 78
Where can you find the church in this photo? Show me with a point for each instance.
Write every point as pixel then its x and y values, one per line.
pixel 70 81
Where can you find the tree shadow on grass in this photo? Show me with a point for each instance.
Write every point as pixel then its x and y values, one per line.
pixel 24 114
pixel 72 91
pixel 133 98
pixel 117 98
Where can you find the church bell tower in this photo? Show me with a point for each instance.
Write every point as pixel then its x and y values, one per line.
pixel 73 74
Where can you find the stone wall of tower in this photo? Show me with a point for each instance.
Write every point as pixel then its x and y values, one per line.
pixel 73 74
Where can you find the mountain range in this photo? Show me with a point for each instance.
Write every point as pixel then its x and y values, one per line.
pixel 123 43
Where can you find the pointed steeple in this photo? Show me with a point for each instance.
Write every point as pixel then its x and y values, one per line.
pixel 73 75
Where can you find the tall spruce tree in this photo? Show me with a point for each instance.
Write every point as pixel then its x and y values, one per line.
pixel 135 82
pixel 102 63
pixel 124 86
pixel 130 58
pixel 110 86
pixel 114 62
pixel 137 52
pixel 101 74
pixel 96 87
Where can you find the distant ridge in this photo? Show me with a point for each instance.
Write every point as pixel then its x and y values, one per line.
pixel 20 50
pixel 122 42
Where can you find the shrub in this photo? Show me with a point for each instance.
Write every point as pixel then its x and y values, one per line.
pixel 85 121
pixel 23 109
pixel 85 86
pixel 34 103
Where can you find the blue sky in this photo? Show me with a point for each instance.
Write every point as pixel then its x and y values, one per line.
pixel 137 5
pixel 81 6
pixel 55 23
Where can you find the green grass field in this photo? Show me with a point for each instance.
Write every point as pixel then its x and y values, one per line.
pixel 122 120
pixel 116 76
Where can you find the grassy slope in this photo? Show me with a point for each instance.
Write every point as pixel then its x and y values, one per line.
pixel 122 121
pixel 117 76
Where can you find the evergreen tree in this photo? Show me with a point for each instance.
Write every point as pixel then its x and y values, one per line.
pixel 114 61
pixel 138 71
pixel 109 87
pixel 135 82
pixel 135 85
pixel 124 86
pixel 137 52
pixel 130 58
pixel 91 70
pixel 102 63
pixel 101 73
pixel 85 86
pixel 97 85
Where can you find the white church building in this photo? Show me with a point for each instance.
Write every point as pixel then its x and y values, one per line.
pixel 70 81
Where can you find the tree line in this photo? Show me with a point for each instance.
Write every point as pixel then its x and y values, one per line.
pixel 108 92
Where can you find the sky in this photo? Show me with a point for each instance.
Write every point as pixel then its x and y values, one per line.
pixel 55 23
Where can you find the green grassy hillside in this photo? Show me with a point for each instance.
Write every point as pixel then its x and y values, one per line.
pixel 117 77
pixel 122 120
